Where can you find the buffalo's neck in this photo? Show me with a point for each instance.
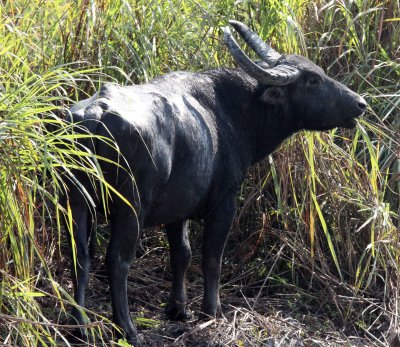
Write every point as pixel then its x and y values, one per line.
pixel 259 128
pixel 271 126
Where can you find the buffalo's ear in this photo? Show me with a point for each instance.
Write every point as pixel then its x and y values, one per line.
pixel 273 96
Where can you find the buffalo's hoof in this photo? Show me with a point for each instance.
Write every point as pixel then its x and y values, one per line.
pixel 132 338
pixel 178 313
pixel 204 316
pixel 134 341
pixel 130 335
pixel 78 337
pixel 211 314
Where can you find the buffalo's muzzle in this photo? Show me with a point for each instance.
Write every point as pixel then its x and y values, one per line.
pixel 362 106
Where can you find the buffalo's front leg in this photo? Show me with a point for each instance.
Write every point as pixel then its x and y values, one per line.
pixel 216 229
pixel 180 255
pixel 125 231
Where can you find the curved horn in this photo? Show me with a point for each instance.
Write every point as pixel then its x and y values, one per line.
pixel 264 51
pixel 278 76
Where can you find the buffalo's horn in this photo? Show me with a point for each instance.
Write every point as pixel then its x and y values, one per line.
pixel 264 51
pixel 278 76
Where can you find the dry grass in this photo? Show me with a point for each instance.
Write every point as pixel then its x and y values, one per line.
pixel 280 319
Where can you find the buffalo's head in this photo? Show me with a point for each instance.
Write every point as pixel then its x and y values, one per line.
pixel 316 101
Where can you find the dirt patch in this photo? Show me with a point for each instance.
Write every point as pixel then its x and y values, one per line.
pixel 258 321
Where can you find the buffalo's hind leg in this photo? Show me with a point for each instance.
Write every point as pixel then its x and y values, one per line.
pixel 81 229
pixel 180 256
pixel 125 232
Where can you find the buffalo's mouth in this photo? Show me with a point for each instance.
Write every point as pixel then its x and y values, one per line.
pixel 350 122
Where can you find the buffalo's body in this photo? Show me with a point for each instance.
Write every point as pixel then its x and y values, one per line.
pixel 185 138
pixel 188 139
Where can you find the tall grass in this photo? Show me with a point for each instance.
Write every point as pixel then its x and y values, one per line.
pixel 320 217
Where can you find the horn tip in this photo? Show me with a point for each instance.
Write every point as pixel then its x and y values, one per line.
pixel 226 31
pixel 235 23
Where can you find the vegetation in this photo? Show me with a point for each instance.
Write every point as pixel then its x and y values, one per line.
pixel 317 234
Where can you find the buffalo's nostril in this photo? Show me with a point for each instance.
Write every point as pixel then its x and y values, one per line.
pixel 362 104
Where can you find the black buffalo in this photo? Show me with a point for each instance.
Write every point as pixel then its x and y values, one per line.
pixel 189 139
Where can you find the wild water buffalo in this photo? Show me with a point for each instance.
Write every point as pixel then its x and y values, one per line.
pixel 189 139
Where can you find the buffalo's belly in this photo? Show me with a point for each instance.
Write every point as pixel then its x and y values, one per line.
pixel 184 197
pixel 171 213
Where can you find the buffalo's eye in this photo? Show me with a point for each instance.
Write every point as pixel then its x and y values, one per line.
pixel 313 81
